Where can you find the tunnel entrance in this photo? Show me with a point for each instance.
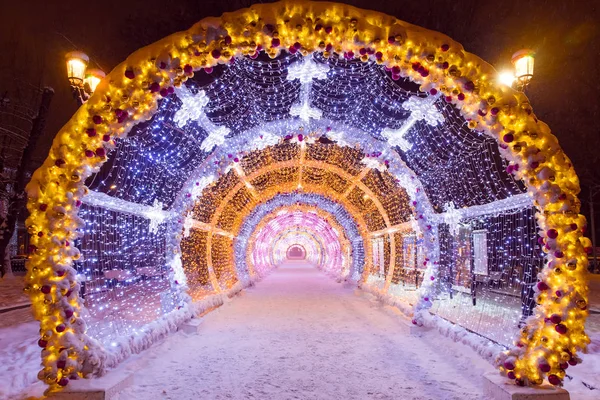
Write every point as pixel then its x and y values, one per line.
pixel 431 183
pixel 296 252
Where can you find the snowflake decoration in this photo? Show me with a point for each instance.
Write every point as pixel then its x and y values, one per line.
pixel 306 71
pixel 263 140
pixel 373 163
pixel 156 215
pixel 305 112
pixel 188 224
pixel 192 108
pixel 452 217
pixel 420 109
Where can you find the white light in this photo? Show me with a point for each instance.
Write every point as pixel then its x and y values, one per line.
pixel 506 78
pixel 421 109
pixel 192 108
pixel 305 112
pixel 306 71
pixel 373 163
pixel 156 215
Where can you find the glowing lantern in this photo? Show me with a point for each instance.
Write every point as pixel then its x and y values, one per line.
pixel 76 65
pixel 523 61
pixel 93 78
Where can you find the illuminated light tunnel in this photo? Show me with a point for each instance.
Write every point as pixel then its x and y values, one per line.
pixel 430 183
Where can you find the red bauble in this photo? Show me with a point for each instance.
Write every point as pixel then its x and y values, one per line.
pixel 461 96
pixel 129 74
pixel 275 42
pixel 564 365
pixel 42 343
pixel 544 368
pixel 542 286
pixel 216 53
pixel 560 328
pixel 508 365
pixel 552 233
pixel 63 382
pixel 46 289
pixel 556 319
pixel 154 87
pixel 97 119
pixel 509 137
pixel 573 361
pixel 511 375
pixel 188 69
pixel 61 364
pixel 68 313
pixel 445 47
pixel 59 163
pixel 554 380
pixel 91 132
pixel 89 153
pixel 61 328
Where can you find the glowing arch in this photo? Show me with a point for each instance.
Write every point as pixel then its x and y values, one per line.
pixel 129 95
pixel 296 251
pixel 320 225
pixel 347 222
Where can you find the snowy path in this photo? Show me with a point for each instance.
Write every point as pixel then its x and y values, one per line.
pixel 300 335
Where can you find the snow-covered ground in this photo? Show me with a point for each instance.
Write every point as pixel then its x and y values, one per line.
pixel 296 334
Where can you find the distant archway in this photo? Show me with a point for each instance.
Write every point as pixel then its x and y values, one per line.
pixel 296 252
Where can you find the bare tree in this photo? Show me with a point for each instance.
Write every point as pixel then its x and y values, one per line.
pixel 23 112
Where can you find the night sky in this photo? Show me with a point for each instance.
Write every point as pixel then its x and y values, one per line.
pixel 36 34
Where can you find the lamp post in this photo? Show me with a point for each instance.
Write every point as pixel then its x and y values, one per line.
pixel 523 61
pixel 83 81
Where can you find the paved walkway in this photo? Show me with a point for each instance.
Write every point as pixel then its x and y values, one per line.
pixel 300 335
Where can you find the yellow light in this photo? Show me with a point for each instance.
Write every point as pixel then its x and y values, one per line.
pixel 76 65
pixel 506 78
pixel 523 61
pixel 92 78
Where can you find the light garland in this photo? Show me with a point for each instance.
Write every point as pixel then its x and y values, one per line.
pixel 345 37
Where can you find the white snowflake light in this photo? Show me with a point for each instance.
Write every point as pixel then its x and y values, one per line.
pixel 452 217
pixel 263 140
pixel 306 71
pixel 188 224
pixel 192 108
pixel 421 109
pixel 373 163
pixel 156 215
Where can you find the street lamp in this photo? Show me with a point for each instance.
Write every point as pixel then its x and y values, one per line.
pixel 83 81
pixel 93 77
pixel 77 62
pixel 523 61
